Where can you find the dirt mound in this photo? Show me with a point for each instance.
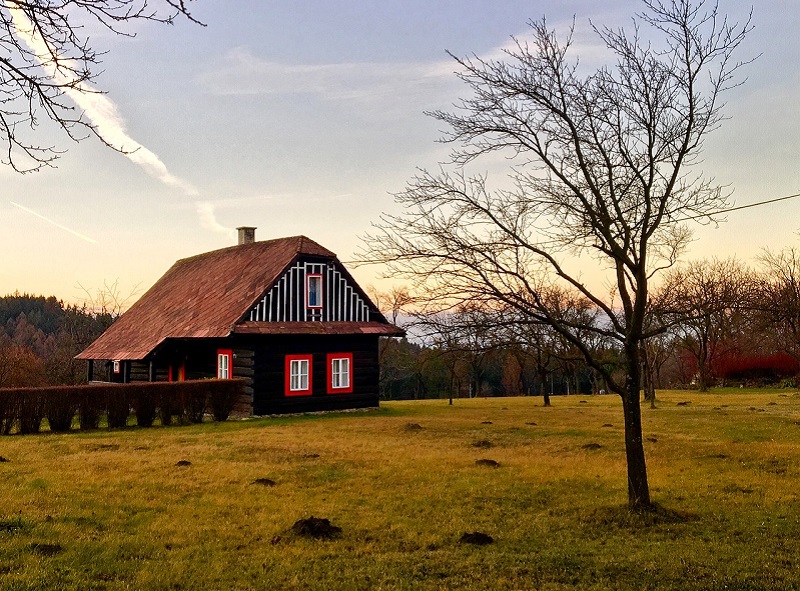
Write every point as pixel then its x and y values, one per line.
pixel 684 403
pixel 488 463
pixel 412 427
pixel 183 463
pixel 591 446
pixel 264 482
pixel 607 425
pixel 316 528
pixel 486 423
pixel 310 456
pixel 2 459
pixel 482 444
pixel 476 538
pixel 46 549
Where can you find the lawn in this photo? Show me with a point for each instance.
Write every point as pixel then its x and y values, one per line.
pixel 114 510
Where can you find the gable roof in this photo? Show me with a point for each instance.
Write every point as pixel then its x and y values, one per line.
pixel 202 296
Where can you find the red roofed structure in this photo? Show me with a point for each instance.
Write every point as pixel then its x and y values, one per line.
pixel 283 314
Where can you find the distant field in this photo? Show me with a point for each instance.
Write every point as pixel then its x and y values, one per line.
pixel 112 510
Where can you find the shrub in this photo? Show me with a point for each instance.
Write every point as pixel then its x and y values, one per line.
pixel 224 394
pixel 60 405
pixel 9 411
pixel 118 407
pixel 144 405
pixel 195 407
pixel 30 409
pixel 91 407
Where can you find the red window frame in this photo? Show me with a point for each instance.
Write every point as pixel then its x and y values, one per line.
pixel 181 373
pixel 340 389
pixel 288 391
pixel 308 291
pixel 225 353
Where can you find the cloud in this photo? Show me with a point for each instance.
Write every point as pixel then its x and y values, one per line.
pixel 206 212
pixel 97 108
pixel 56 224
pixel 243 73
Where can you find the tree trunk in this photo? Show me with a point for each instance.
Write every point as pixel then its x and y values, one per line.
pixel 543 391
pixel 638 487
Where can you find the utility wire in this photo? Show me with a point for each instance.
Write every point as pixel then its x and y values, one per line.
pixel 705 215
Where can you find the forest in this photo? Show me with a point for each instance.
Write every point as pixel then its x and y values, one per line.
pixel 39 336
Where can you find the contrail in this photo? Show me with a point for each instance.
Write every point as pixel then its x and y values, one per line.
pixel 56 224
pixel 110 125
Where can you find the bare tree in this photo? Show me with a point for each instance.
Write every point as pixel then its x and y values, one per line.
pixel 709 303
pixel 601 164
pixel 779 297
pixel 45 54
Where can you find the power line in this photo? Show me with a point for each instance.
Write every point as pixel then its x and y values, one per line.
pixel 705 215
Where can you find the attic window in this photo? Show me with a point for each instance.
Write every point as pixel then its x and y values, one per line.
pixel 314 291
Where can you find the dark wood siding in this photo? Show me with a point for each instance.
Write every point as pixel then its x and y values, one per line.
pixel 269 379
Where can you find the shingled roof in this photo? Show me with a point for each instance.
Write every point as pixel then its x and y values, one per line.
pixel 203 296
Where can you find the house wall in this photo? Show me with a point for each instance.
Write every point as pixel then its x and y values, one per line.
pixel 261 361
pixel 269 372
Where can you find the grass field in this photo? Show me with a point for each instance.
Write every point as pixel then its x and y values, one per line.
pixel 112 510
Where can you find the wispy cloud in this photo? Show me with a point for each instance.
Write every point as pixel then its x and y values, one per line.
pixel 243 73
pixel 98 108
pixel 206 212
pixel 56 224
pixel 110 125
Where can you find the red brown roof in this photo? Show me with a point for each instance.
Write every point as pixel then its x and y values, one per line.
pixel 204 296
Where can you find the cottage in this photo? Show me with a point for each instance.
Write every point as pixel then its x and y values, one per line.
pixel 283 314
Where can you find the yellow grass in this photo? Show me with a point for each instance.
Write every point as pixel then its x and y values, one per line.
pixel 111 510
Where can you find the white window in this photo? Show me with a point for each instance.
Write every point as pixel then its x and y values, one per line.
pixel 115 364
pixel 340 373
pixel 314 296
pixel 224 358
pixel 299 380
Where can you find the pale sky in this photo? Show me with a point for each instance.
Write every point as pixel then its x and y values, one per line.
pixel 302 117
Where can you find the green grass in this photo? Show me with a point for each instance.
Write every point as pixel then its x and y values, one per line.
pixel 111 510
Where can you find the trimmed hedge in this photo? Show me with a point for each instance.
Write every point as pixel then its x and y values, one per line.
pixel 22 410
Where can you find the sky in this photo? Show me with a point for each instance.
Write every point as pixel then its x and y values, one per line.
pixel 304 117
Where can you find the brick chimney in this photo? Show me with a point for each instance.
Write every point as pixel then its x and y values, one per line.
pixel 247 235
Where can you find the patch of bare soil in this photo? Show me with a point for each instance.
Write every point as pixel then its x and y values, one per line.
pixel 264 482
pixel 684 403
pixel 486 423
pixel 46 549
pixel 183 463
pixel 316 528
pixel 476 538
pixel 482 444
pixel 608 425
pixel 591 446
pixel 487 463
pixel 309 456
pixel 413 427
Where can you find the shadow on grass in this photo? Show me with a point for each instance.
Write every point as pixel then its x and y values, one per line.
pixel 625 517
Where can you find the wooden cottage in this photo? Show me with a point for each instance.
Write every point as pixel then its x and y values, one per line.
pixel 283 314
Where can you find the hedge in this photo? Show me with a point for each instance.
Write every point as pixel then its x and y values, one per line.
pixel 22 410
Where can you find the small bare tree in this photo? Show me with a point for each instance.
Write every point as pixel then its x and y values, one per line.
pixel 601 165
pixel 44 54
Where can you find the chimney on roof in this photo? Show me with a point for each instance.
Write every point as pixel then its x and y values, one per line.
pixel 247 235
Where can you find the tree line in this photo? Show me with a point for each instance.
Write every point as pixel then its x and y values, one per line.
pixel 39 337
pixel 722 323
